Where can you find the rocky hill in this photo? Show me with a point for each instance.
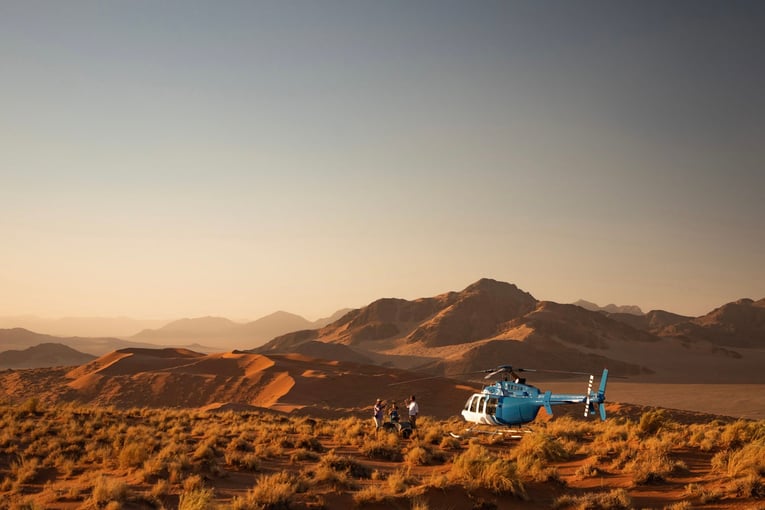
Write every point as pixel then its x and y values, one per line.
pixel 43 355
pixel 738 324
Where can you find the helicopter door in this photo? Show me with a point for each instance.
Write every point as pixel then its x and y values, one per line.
pixel 474 404
pixel 491 406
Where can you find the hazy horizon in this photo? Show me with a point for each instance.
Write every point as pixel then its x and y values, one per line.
pixel 186 159
pixel 168 319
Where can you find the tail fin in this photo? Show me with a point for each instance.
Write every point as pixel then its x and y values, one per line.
pixel 602 394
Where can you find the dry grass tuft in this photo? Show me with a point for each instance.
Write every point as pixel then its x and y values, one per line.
pixel 271 492
pixel 615 499
pixel 477 468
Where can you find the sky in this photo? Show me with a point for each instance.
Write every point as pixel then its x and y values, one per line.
pixel 181 158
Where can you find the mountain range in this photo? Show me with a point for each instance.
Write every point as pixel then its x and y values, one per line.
pixel 436 341
pixel 611 308
pixel 483 325
pixel 119 327
pixel 203 334
pixel 225 333
pixel 491 322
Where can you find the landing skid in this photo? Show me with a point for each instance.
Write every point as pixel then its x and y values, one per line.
pixel 510 433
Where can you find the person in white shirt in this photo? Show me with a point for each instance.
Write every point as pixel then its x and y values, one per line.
pixel 414 410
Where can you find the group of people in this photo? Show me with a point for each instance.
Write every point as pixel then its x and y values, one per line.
pixel 378 411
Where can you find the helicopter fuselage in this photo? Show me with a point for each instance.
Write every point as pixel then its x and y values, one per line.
pixel 510 403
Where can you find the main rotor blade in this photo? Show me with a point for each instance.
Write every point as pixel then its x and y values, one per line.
pixel 492 374
pixel 415 380
pixel 452 376
pixel 559 372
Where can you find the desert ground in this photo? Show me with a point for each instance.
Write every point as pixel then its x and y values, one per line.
pixel 162 429
pixel 68 456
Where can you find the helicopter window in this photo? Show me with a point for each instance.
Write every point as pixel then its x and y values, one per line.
pixel 491 406
pixel 473 404
pixel 480 404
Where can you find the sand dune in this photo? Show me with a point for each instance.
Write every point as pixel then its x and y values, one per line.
pixel 291 383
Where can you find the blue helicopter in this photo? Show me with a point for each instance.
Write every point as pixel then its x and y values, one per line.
pixel 510 402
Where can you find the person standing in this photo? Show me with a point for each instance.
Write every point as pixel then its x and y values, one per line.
pixel 393 413
pixel 414 410
pixel 377 413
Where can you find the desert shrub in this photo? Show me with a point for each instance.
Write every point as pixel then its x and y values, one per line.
pixel 433 434
pixel 67 467
pixel 652 422
pixel 615 499
pixel 239 444
pixel 30 406
pixel 750 486
pixel 680 505
pixel 197 499
pixel 304 455
pixel 244 460
pixel 569 428
pixel 271 492
pixel 397 482
pixel 705 437
pixel 703 494
pixel 192 483
pixel 381 450
pixel 652 462
pixel 347 464
pixel 325 475
pixel 108 489
pixel 133 455
pixel 541 446
pixel 626 453
pixel 417 455
pixel 310 443
pixel 588 469
pixel 534 453
pixel 750 459
pixel 25 504
pixel 206 452
pixel 25 470
pixel 250 462
pixel 160 489
pixel 450 443
pixel 740 432
pixel 476 467
pixel 369 495
pixel 268 450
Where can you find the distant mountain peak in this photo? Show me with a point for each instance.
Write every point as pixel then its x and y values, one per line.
pixel 610 308
pixel 490 284
pixel 281 314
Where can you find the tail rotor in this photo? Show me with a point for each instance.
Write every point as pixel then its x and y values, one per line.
pixel 599 398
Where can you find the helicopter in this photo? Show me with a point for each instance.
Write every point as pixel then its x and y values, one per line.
pixel 513 403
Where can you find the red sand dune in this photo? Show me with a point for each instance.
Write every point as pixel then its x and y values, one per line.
pixel 168 377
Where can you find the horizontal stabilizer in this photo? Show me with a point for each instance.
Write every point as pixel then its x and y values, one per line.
pixel 546 402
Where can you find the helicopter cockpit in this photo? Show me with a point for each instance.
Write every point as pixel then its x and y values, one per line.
pixel 481 408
